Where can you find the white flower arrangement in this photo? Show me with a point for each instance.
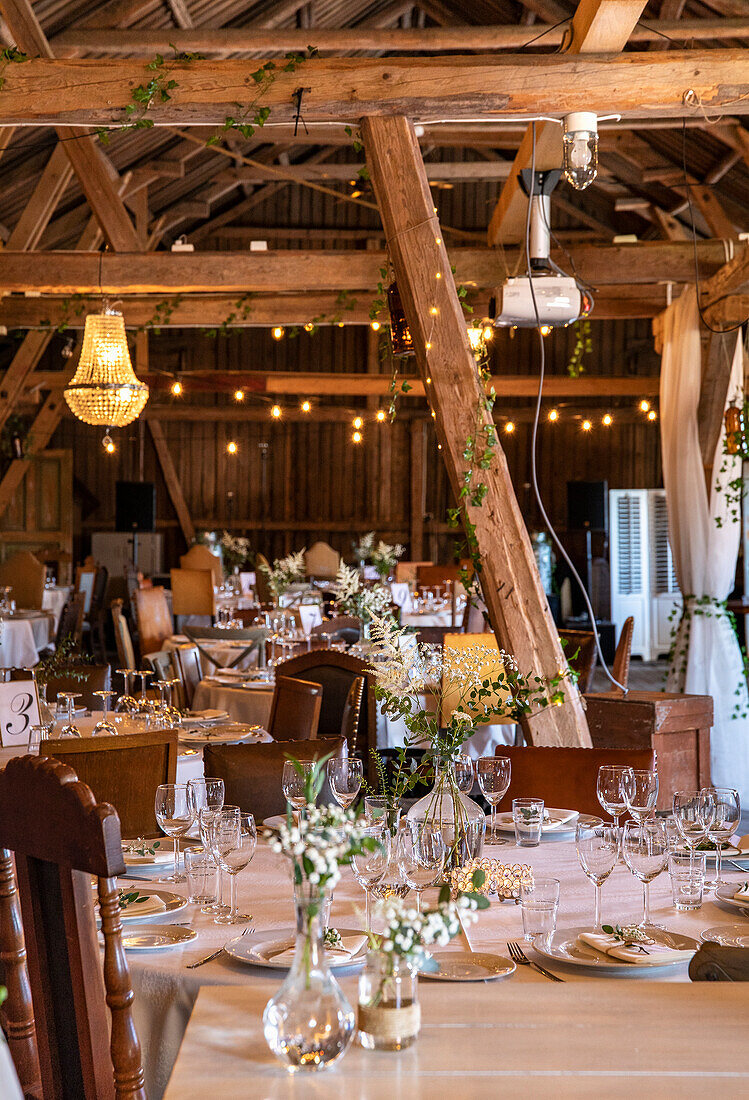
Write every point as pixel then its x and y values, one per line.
pixel 353 597
pixel 320 843
pixel 364 548
pixel 384 556
pixel 284 572
pixel 408 933
pixel 235 550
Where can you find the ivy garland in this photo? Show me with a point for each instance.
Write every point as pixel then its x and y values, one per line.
pixel 676 660
pixel 583 346
pixel 735 446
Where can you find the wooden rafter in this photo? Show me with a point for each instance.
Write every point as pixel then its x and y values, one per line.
pixel 38 437
pixel 173 486
pixel 511 585
pixel 597 25
pixel 40 207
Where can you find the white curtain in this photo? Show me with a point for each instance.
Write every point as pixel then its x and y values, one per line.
pixel 707 659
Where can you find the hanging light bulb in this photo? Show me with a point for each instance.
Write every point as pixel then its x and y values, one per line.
pixel 510 427
pixel 607 420
pixel 306 406
pixel 545 330
pixel 278 332
pixel 356 437
pixel 176 388
pixel 586 425
pixel 652 415
pixel 108 444
pixel 375 326
pixel 239 395
pixel 231 447
pixel 276 412
pixel 104 389
pixel 553 415
pixel 580 148
pixel 400 333
pixel 310 326
pixel 357 422
pixel 644 405
pixel 381 414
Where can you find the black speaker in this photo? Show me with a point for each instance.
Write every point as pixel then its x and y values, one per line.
pixel 135 506
pixel 588 505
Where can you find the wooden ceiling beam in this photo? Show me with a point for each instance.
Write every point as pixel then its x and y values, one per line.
pixel 464 171
pixel 650 85
pixel 36 215
pixel 597 25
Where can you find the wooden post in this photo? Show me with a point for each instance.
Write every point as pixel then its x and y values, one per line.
pixel 515 598
pixel 718 350
pixel 418 488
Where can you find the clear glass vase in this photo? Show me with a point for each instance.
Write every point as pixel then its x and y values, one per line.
pixel 460 819
pixel 309 1024
pixel 389 1015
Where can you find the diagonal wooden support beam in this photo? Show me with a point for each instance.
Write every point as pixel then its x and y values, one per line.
pixel 43 202
pixel 39 436
pixel 718 350
pixel 517 605
pixel 173 485
pixel 98 179
pixel 598 26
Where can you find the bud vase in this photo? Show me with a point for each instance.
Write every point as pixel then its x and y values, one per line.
pixel 309 1024
pixel 389 1015
pixel 460 819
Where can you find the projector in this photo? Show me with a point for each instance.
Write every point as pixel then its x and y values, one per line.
pixel 559 301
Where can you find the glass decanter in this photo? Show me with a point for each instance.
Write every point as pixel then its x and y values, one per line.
pixel 460 819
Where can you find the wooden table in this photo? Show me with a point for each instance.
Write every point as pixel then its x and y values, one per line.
pixel 597 1039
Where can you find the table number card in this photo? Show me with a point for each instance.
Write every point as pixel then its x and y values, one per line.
pixel 19 711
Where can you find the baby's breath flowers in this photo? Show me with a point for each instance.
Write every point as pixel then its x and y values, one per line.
pixel 354 597
pixel 284 572
pixel 385 555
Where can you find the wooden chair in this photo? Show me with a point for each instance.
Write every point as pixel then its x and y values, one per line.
pixel 122 638
pixel 345 628
pixel 71 621
pixel 200 557
pixel 565 777
pixel 429 575
pixel 189 671
pixel 154 619
pixel 252 773
pixel 406 570
pixel 97 615
pixel 294 710
pixel 263 593
pixel 623 653
pixel 351 713
pixel 85 582
pixel 58 991
pixel 25 574
pixel 255 636
pixel 491 668
pixel 321 561
pixel 162 664
pixel 124 771
pixel 580 651
pixel 715 963
pixel 475 617
pixel 192 592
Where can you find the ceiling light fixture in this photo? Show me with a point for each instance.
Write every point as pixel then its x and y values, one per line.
pixel 580 149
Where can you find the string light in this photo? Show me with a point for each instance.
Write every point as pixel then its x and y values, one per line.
pixel 545 330
pixel 340 324
pixel 375 326
pixel 276 412
pixel 434 311
pixel 607 420
pixel 356 437
pixel 231 447
pixel 437 240
pixel 510 427
pixel 553 415
pixel 309 327
pixel 438 275
pixel 176 388
pixel 644 405
pixel 306 406
pixel 488 332
pixel 278 332
pixel 357 422
pixel 108 444
pixel 586 425
pixel 428 346
pixel 239 395
pixel 652 415
pixel 381 415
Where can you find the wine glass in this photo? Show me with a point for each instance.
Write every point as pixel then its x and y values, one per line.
pixel 104 727
pixel 723 823
pixel 144 707
pixel 693 813
pixel 640 792
pixel 370 867
pixel 597 849
pixel 494 780
pixel 293 784
pixel 345 778
pixel 206 817
pixel 233 836
pixel 175 813
pixel 645 851
pixel 610 790
pixel 464 775
pixel 126 704
pixel 70 729
pixel 421 855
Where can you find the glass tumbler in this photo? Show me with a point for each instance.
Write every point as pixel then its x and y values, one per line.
pixel 687 871
pixel 528 818
pixel 539 901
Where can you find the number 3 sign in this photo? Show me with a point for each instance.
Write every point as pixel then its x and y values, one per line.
pixel 19 711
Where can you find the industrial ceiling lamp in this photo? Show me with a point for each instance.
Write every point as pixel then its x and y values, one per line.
pixel 400 333
pixel 104 389
pixel 580 148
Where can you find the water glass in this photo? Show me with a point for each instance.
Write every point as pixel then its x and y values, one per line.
pixel 610 787
pixel 528 818
pixel 175 813
pixel 693 812
pixel 345 778
pixel 640 792
pixel 233 837
pixel 293 784
pixel 597 849
pixel 723 823
pixel 421 855
pixel 645 851
pixel 539 901
pixel 687 871
pixel 200 868
pixel 494 780
pixel 464 776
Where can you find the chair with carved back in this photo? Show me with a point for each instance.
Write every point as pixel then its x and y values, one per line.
pixel 124 771
pixel 346 628
pixel 407 570
pixel 122 637
pixel 295 709
pixel 200 557
pixel 580 650
pixel 58 991
pixel 263 593
pixel 153 617
pixel 351 712
pixel 623 653
pixel 189 671
pixel 254 636
pixel 26 575
pixel 193 593
pixel 321 561
pixel 85 582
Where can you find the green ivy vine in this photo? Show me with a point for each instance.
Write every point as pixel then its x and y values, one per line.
pixel 583 346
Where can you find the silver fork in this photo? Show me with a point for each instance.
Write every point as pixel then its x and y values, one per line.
pixel 518 956
pixel 215 954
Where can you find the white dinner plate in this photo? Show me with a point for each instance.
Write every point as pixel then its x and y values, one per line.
pixel 220 735
pixel 505 823
pixel 727 935
pixel 261 949
pixel 174 903
pixel 464 966
pixel 725 894
pixel 206 716
pixel 157 937
pixel 565 948
pixel 275 821
pixel 164 854
pixel 736 854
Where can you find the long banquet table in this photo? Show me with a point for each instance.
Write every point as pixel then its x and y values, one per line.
pixel 166 991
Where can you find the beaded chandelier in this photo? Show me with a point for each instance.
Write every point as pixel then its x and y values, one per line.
pixel 105 390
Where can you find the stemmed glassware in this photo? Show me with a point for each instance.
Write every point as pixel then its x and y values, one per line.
pixel 645 851
pixel 175 813
pixel 145 706
pixel 370 867
pixel 610 790
pixel 206 817
pixel 464 774
pixel 233 836
pixel 723 823
pixel 494 780
pixel 345 778
pixel 693 813
pixel 70 729
pixel 640 793
pixel 103 727
pixel 293 784
pixel 421 855
pixel 127 703
pixel 597 849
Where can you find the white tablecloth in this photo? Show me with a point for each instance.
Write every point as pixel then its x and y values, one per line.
pixel 251 705
pixel 165 990
pixel 54 599
pixel 18 648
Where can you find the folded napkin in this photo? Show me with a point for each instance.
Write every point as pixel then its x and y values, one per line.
pixel 350 946
pixel 742 894
pixel 148 908
pixel 656 952
pixel 554 819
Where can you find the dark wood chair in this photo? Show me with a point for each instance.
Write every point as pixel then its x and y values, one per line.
pixel 351 713
pixel 714 963
pixel 153 617
pixel 623 654
pixel 189 671
pixel 336 672
pixel 346 628
pixel 564 777
pixel 252 774
pixel 124 771
pixel 71 620
pixel 579 648
pixel 56 1016
pixel 295 709
pixel 122 636
pixel 254 636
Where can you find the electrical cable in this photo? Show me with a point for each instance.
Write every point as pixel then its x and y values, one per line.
pixel 536 419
